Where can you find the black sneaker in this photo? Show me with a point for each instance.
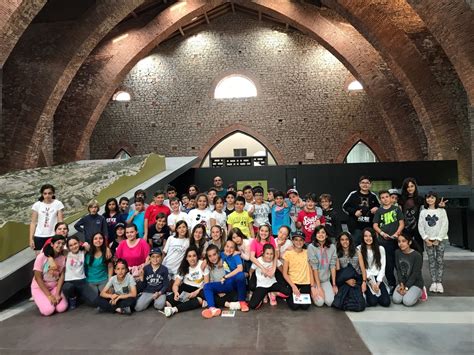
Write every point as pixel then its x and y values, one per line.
pixel 72 303
pixel 126 310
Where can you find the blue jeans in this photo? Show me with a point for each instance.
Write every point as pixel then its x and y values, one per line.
pixel 236 282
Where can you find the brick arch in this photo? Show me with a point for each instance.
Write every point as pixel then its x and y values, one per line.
pixel 16 16
pixel 110 69
pixel 234 128
pixel 353 139
pixel 243 72
pixel 434 109
pixel 121 145
pixel 38 72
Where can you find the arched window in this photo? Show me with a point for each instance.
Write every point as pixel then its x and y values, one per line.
pixel 361 153
pixel 121 96
pixel 355 86
pixel 235 86
pixel 238 149
pixel 122 154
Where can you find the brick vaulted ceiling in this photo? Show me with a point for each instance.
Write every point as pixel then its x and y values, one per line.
pixel 60 68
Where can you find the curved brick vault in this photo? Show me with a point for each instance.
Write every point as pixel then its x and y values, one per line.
pixel 108 70
pixel 106 67
pixel 38 72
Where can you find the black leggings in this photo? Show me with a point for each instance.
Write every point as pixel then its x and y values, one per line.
pixel 227 297
pixel 189 305
pixel 104 303
pixel 260 292
pixel 293 306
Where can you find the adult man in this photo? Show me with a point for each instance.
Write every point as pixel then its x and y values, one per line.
pixel 218 185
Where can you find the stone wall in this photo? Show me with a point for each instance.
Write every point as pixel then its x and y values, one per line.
pixel 302 104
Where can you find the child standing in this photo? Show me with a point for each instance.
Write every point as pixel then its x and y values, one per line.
pixel 249 201
pixel 283 243
pixel 331 217
pixel 153 210
pixel 280 213
pixel 112 217
pixel 137 216
pixel 410 280
pixel 46 212
pixel 230 197
pixel 175 248
pixel 261 209
pixel 92 223
pixel 233 280
pixel 308 219
pixel 176 214
pixel 388 223
pixel 156 281
pixel 201 214
pixel 297 271
pixel 267 283
pixel 218 216
pixel 322 257
pixel 240 219
pixel 124 291
pixel 295 204
pixel 159 232
pixel 433 226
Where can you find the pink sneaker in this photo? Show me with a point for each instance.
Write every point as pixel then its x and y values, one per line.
pixel 281 295
pixel 273 300
pixel 244 307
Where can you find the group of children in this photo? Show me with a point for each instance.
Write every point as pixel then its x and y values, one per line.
pixel 236 251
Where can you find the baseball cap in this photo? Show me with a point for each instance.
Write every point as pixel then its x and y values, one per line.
pixel 292 191
pixel 393 192
pixel 119 225
pixel 297 234
pixel 155 251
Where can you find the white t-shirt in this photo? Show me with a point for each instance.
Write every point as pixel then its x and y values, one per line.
pixel 284 247
pixel 174 249
pixel 47 217
pixel 262 280
pixel 221 219
pixel 75 266
pixel 174 218
pixel 195 276
pixel 197 216
pixel 260 214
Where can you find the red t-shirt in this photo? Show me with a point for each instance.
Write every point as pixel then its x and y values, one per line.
pixel 308 220
pixel 153 210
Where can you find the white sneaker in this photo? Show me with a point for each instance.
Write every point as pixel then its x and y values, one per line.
pixel 434 287
pixel 234 306
pixel 168 311
pixel 439 287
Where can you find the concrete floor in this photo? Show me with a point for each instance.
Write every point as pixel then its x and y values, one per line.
pixel 442 325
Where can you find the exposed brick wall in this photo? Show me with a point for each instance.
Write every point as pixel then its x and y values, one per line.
pixel 302 107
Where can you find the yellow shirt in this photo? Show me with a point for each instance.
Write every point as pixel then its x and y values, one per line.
pixel 298 267
pixel 240 220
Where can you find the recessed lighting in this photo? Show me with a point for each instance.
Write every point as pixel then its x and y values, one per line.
pixel 119 38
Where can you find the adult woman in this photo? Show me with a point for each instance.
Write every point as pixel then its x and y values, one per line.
pixel 48 281
pixel 47 211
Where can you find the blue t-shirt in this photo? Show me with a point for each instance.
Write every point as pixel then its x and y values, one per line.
pixel 230 262
pixel 139 221
pixel 280 218
pixel 97 272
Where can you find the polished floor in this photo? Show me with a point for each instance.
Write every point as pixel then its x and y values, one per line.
pixel 442 325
